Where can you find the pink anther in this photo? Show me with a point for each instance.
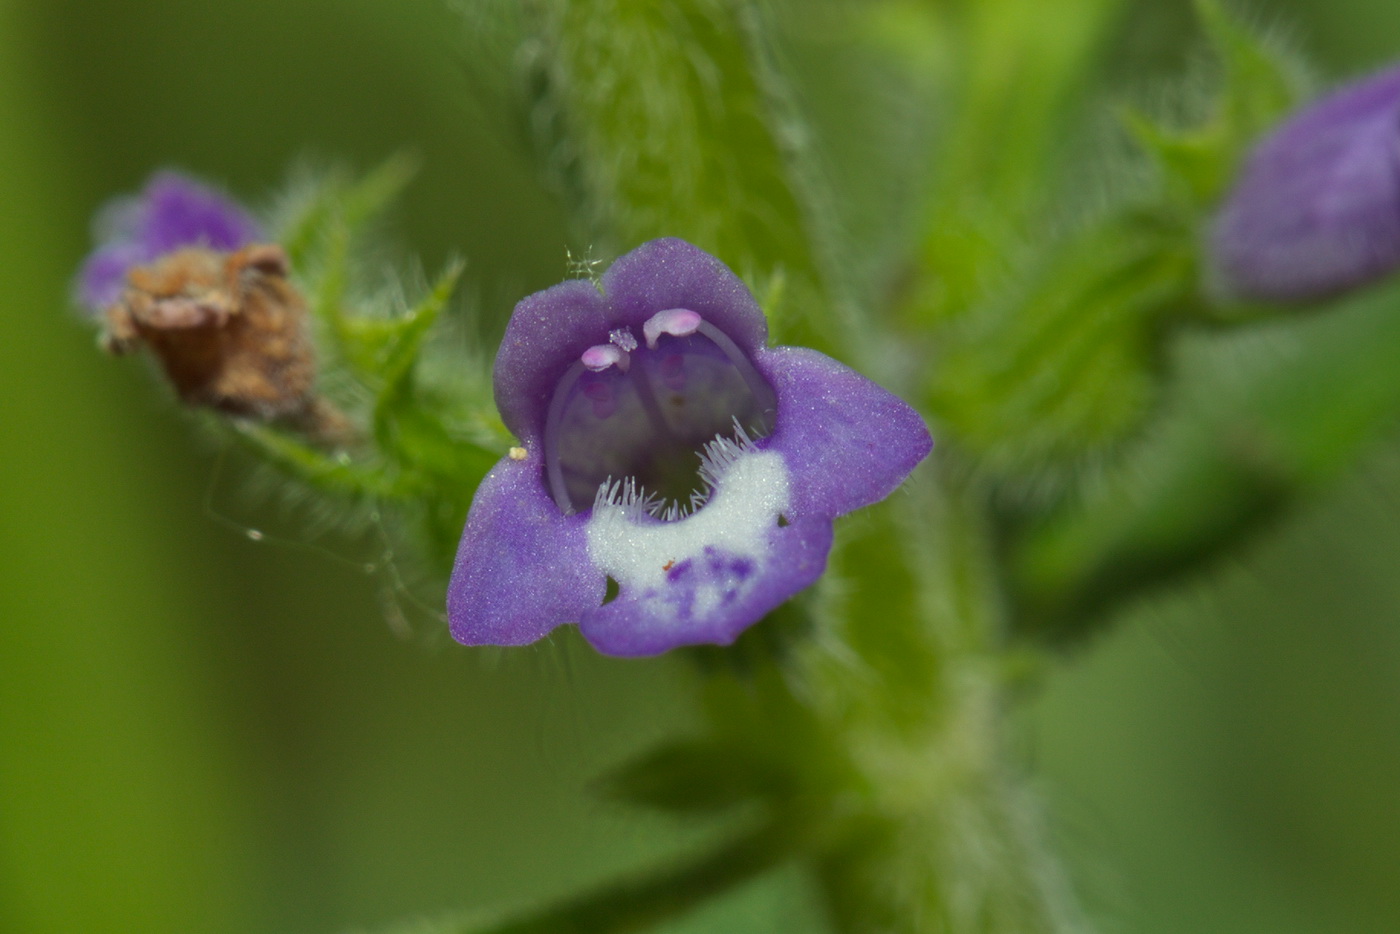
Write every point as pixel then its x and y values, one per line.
pixel 601 356
pixel 678 322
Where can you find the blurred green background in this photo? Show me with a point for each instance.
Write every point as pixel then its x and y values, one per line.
pixel 202 732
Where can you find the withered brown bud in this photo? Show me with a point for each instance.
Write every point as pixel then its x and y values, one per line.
pixel 231 332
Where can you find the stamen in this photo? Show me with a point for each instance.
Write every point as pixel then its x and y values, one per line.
pixel 678 322
pixel 762 392
pixel 601 356
pixel 637 436
pixel 554 472
pixel 682 322
pixel 646 395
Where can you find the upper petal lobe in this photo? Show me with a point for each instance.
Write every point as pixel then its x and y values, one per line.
pixel 670 273
pixel 547 332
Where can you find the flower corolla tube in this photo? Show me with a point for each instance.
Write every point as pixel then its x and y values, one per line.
pixel 1316 208
pixel 676 478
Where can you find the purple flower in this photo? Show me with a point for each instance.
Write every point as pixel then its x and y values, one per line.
pixel 677 478
pixel 173 212
pixel 1316 209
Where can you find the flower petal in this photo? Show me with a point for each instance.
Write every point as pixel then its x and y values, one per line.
pixel 547 331
pixel 522 567
pixel 707 577
pixel 846 441
pixel 670 273
pixel 1317 207
pixel 712 597
pixel 180 212
pixel 103 276
pixel 171 213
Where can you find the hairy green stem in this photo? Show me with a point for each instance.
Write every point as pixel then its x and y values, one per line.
pixel 913 686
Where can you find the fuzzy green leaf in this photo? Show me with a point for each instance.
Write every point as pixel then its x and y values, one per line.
pixel 395 344
pixel 336 200
pixel 687 777
pixel 336 474
pixel 1260 82
pixel 642 902
pixel 1065 367
pixel 1226 467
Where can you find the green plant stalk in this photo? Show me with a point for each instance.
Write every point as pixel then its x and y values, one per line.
pixel 667 119
pixel 912 681
pixel 871 715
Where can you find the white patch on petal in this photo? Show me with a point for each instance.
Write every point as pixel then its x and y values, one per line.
pixel 751 490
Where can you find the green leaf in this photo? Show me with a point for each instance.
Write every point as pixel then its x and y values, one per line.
pixel 371 195
pixel 687 776
pixel 644 901
pixel 337 474
pixel 329 288
pixel 1065 367
pixel 336 200
pixel 1260 82
pixel 1237 459
pixel 395 344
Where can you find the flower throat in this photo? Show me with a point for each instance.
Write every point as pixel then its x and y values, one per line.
pixel 637 415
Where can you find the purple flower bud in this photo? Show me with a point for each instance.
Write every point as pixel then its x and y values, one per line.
pixel 1316 209
pixel 173 212
pixel 676 478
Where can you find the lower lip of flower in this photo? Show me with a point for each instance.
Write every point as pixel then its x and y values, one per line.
pixel 644 411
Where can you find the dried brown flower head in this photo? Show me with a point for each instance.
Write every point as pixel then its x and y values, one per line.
pixel 230 331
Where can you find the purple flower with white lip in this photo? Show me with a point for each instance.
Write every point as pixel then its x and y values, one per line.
pixel 677 478
pixel 173 212
pixel 1316 209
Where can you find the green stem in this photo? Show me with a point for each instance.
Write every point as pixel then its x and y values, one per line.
pixel 340 476
pixel 912 685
